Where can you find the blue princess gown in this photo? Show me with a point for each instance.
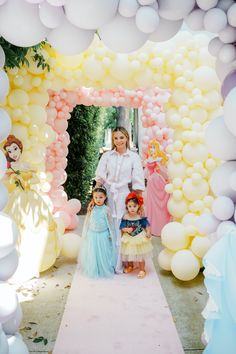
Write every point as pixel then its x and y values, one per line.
pixel 98 251
pixel 220 281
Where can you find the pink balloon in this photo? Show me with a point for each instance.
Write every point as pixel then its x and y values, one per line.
pixel 60 126
pixel 73 205
pixel 73 223
pixel 64 216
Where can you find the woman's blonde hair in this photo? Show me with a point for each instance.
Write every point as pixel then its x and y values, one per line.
pixel 158 151
pixel 123 131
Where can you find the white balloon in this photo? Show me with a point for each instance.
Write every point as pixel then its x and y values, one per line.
pixel 2 2
pixel 215 20
pixel 5 124
pixel 9 234
pixel 223 208
pixel 8 265
pixel 69 39
pixel 11 326
pixel 147 19
pixel 114 35
pixel 3 164
pixel 146 2
pixel 227 53
pixel 165 30
pixel 2 57
pixel 175 10
pixel 214 46
pixel 16 345
pixel 224 227
pixel 195 20
pixel 90 14
pixel 128 8
pixel 70 243
pixel 231 14
pixel 57 2
pixel 31 32
pixel 207 223
pixel 222 69
pixel 4 86
pixel 8 302
pixel 3 196
pixel 232 180
pixel 206 4
pixel 50 16
pixel 34 1
pixel 225 4
pixel 216 132
pixel 229 111
pixel 3 343
pixel 223 173
pixel 228 34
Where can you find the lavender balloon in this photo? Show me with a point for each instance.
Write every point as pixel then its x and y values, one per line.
pixel 229 83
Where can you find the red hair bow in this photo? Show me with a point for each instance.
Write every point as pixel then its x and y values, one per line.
pixel 133 195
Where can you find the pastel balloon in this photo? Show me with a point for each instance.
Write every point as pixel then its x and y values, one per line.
pixel 227 53
pixel 224 227
pixel 215 45
pixel 128 8
pixel 223 69
pixel 200 245
pixel 73 205
pixel 8 302
pixel 229 109
pixel 206 4
pixel 173 236
pixel 164 259
pixel 70 245
pixel 9 235
pixel 166 29
pixel 177 208
pixel 8 265
pixel 103 11
pixel 193 191
pixel 5 124
pixel 185 265
pixel 223 173
pixel 223 208
pixel 228 34
pixel 32 31
pixel 3 164
pixel 207 223
pixel 215 20
pixel 50 16
pixel 195 20
pixel 194 153
pixel 205 78
pixel 172 10
pixel 176 169
pixel 11 326
pixel 3 196
pixel 4 87
pixel 231 14
pixel 147 19
pixel 2 57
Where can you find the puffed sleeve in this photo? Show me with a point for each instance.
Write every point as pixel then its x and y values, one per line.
pixel 101 171
pixel 145 222
pixel 137 177
pixel 123 224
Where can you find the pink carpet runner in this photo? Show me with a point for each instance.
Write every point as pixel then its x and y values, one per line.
pixel 123 315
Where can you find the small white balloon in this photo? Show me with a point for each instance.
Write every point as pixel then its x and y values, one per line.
pixel 90 14
pixel 225 4
pixel 114 35
pixel 207 223
pixel 223 173
pixel 128 8
pixel 175 10
pixel 215 20
pixel 231 14
pixel 57 2
pixel 2 57
pixel 50 16
pixel 223 208
pixel 229 111
pixel 228 34
pixel 5 125
pixel 4 86
pixel 224 227
pixel 215 45
pixel 195 20
pixel 165 30
pixel 227 53
pixel 69 39
pixel 3 164
pixel 206 4
pixel 8 302
pixel 147 19
pixel 3 196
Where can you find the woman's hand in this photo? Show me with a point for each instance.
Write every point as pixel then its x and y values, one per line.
pixel 90 206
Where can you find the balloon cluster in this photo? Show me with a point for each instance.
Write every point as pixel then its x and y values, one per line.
pixel 10 310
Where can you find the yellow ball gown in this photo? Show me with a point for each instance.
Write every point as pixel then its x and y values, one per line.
pixel 38 242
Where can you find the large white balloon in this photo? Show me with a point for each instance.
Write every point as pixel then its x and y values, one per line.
pixel 217 132
pixel 2 57
pixel 223 208
pixel 215 20
pixel 3 164
pixel 147 19
pixel 206 4
pixel 51 16
pixel 8 265
pixel 223 173
pixel 231 14
pixel 175 10
pixel 5 125
pixel 207 223
pixel 195 20
pixel 215 45
pixel 9 234
pixel 25 29
pixel 224 228
pixel 11 326
pixel 222 69
pixel 185 265
pixel 8 302
pixel 3 196
pixel 128 8
pixel 114 35
pixel 69 39
pixel 166 29
pixel 90 14
pixel 227 53
pixel 229 111
pixel 225 4
pixel 4 84
pixel 228 34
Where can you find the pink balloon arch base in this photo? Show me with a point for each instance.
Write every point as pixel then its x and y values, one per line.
pixel 60 105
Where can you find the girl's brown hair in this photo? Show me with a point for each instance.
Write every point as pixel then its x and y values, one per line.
pixel 11 139
pixel 123 131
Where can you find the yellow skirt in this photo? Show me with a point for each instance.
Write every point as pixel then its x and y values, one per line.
pixel 136 248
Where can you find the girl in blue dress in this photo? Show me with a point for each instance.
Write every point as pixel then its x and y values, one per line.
pixel 98 254
pixel 136 245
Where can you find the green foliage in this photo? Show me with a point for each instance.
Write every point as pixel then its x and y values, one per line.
pixel 16 56
pixel 86 134
pixel 110 117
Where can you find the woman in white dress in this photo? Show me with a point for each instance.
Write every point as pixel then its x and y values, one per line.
pixel 117 169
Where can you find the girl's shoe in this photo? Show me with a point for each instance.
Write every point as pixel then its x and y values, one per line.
pixel 141 274
pixel 128 269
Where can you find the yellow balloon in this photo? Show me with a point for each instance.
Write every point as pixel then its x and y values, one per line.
pixel 164 259
pixel 177 208
pixel 200 245
pixel 18 98
pixel 185 265
pixel 194 153
pixel 173 236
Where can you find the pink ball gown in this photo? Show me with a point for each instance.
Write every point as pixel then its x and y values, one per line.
pixel 156 199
